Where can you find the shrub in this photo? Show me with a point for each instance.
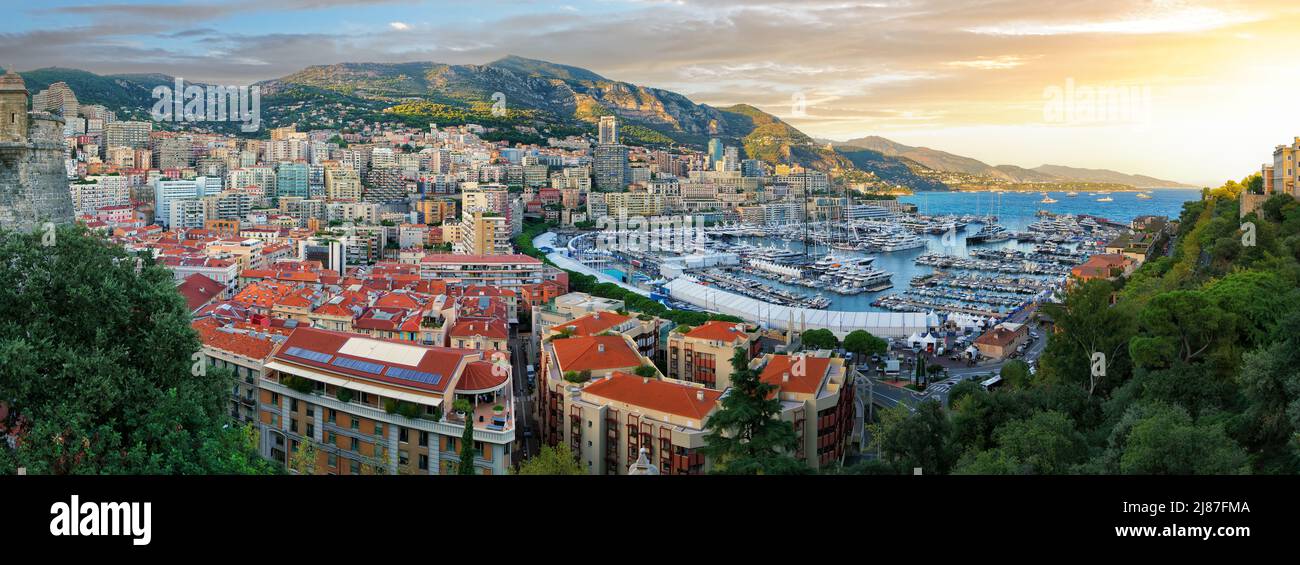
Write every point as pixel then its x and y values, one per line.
pixel 344 395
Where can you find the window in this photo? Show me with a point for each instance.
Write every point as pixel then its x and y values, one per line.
pixel 293 404
pixel 293 425
pixel 354 467
pixel 403 435
pixel 311 411
pixel 332 439
pixel 403 457
pixel 356 445
pixel 332 460
pixel 424 439
pixel 275 399
pixel 356 424
pixel 331 416
pixel 379 428
pixel 424 462
pixel 311 430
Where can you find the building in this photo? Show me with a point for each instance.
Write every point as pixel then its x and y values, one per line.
pixel 611 421
pixel 168 191
pixel 817 398
pixel 33 174
pixel 1000 341
pixel 503 271
pixel 1102 266
pixel 377 406
pixel 342 185
pixel 642 329
pixel 292 179
pixel 610 167
pixel 608 130
pixel 703 354
pixel 1286 171
pixel 483 233
pixel 245 353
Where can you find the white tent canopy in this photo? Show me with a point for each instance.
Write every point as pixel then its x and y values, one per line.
pixel 880 324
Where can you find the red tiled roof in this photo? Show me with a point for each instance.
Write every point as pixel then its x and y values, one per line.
pixel 719 331
pixel 199 289
pixel 593 323
pixel 807 381
pixel 492 329
pixel 654 394
pixel 462 259
pixel 443 361
pixel 584 353
pixel 233 342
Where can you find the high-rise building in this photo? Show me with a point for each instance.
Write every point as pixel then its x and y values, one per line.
pixel 342 184
pixel 715 152
pixel 127 134
pixel 608 130
pixel 33 173
pixel 59 99
pixel 167 192
pixel 610 167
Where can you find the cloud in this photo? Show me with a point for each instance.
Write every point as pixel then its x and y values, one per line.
pixel 399 26
pixel 990 63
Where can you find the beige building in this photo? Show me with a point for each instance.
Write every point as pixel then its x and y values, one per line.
pixel 817 398
pixel 703 354
pixel 378 406
pixel 1286 171
pixel 342 185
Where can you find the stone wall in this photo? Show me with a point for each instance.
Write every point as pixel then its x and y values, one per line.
pixel 33 178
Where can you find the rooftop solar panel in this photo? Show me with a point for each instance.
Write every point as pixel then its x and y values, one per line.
pixel 309 354
pixel 359 365
pixel 413 375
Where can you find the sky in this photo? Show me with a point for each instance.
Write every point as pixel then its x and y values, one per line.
pixel 1197 92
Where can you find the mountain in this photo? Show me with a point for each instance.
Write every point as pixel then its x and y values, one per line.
pixel 528 67
pixel 541 99
pixel 930 158
pixel 951 163
pixel 1106 175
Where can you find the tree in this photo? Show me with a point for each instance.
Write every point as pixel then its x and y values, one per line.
pixel 746 436
pixel 863 344
pixel 467 450
pixel 1165 441
pixel 819 339
pixel 303 460
pixel 646 371
pixel 123 391
pixel 909 440
pixel 1046 443
pixel 1016 374
pixel 1088 325
pixel 556 460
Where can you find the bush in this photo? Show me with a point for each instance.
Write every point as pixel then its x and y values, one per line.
pixel 645 371
pixel 576 377
pixel 297 383
pixel 344 395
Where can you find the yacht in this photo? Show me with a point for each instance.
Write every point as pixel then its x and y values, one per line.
pixel 989 233
pixel 1144 196
pixel 1105 199
pixel 900 241
pixel 1047 199
pixel 1072 194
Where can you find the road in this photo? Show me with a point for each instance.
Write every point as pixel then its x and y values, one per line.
pixel 524 446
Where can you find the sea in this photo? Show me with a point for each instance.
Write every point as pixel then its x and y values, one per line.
pixel 1015 211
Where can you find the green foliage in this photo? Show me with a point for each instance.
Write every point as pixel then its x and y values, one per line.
pixel 746 437
pixel 863 344
pixel 343 395
pixel 467 451
pixel 117 392
pixel 646 371
pixel 558 460
pixel 1015 373
pixel 819 339
pixel 907 441
pixel 297 383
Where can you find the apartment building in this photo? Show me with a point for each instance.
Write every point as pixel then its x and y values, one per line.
pixel 703 354
pixel 504 271
pixel 244 352
pixel 378 406
pixel 642 329
pixel 817 398
pixel 612 420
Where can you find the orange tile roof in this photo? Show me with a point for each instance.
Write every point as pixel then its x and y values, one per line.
pixel 199 289
pixel 654 394
pixel 233 342
pixel 482 376
pixel 584 353
pixel 809 382
pixel 593 323
pixel 719 331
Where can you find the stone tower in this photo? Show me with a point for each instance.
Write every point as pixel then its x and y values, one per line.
pixel 33 176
